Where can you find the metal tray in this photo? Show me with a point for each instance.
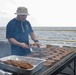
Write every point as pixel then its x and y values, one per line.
pixel 36 62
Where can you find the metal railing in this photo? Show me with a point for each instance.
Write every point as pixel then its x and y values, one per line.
pixel 57 40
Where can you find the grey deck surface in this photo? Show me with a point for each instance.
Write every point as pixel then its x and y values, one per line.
pixel 5 49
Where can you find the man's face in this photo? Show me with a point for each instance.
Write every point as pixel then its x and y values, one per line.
pixel 22 17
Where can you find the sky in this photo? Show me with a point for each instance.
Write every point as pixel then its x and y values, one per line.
pixel 43 13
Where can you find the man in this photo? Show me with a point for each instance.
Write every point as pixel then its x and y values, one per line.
pixel 17 31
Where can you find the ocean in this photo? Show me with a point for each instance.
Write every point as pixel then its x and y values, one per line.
pixel 59 36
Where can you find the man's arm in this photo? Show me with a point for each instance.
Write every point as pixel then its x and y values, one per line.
pixel 15 42
pixel 33 37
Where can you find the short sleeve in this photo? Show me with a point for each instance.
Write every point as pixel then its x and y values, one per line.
pixel 9 31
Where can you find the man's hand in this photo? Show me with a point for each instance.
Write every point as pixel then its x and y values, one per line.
pixel 37 44
pixel 15 42
pixel 23 45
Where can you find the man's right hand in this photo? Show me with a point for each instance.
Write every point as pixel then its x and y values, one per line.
pixel 15 42
pixel 23 45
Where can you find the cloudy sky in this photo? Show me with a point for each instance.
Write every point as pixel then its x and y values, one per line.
pixel 42 12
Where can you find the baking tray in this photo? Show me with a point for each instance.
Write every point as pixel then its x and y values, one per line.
pixel 2 72
pixel 36 62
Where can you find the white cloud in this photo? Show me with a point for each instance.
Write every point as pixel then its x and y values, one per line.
pixel 43 12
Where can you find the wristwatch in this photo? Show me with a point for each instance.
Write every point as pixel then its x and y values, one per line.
pixel 36 41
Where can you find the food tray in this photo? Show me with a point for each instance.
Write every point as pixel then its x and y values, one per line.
pixel 36 62
pixel 2 72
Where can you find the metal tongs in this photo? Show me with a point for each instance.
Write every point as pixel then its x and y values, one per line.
pixel 31 49
pixel 40 51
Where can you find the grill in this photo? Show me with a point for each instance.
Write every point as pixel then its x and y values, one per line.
pixel 59 64
pixel 40 68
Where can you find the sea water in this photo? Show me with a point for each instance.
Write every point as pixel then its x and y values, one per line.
pixel 60 37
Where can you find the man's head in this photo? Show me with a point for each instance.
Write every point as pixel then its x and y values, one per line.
pixel 22 13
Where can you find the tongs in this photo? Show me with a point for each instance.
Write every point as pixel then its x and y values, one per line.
pixel 31 49
pixel 38 50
